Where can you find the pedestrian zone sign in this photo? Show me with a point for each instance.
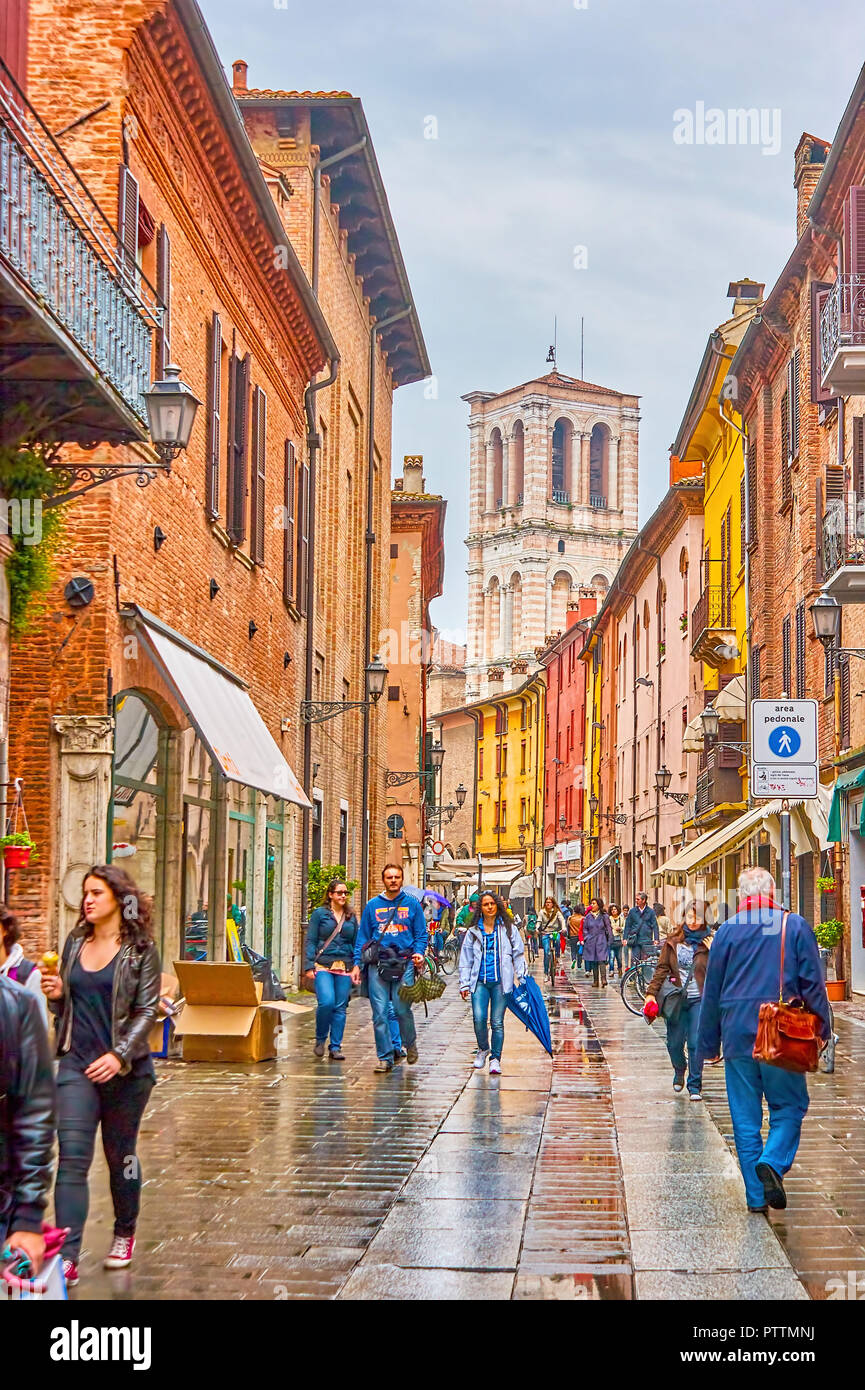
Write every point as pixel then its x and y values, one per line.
pixel 784 748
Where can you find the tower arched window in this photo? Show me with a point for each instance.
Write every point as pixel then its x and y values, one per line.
pixel 599 455
pixel 517 465
pixel 516 615
pixel 561 592
pixel 561 461
pixel 600 586
pixel 496 441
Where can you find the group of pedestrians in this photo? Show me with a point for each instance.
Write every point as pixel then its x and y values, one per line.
pixel 711 990
pixel 104 996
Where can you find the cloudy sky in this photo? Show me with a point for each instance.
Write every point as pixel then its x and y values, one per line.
pixel 555 187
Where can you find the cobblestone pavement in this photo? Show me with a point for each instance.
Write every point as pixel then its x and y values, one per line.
pixel 302 1178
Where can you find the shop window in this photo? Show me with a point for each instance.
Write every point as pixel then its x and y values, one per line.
pixel 198 921
pixel 273 895
pixel 317 817
pixel 137 824
pixel 241 857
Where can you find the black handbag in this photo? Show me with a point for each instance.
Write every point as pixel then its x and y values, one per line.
pixel 671 997
pixel 392 964
pixel 371 951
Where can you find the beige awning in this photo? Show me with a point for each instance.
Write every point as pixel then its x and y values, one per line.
pixel 692 738
pixel 808 822
pixel 599 864
pixel 730 703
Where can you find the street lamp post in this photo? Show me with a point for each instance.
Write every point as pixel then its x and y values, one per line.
pixel 663 777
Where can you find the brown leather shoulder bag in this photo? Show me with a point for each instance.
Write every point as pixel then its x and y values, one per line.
pixel 788 1035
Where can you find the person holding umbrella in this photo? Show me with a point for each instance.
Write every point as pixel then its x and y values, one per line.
pixel 492 962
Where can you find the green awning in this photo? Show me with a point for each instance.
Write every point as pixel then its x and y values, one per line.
pixel 844 783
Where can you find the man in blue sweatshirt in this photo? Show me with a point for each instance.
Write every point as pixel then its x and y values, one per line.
pixel 396 921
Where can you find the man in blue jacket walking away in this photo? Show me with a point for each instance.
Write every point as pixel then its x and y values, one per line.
pixel 744 972
pixel 396 922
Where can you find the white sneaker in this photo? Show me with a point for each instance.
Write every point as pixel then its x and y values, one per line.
pixel 695 1095
pixel 480 1060
pixel 120 1254
pixel 495 1067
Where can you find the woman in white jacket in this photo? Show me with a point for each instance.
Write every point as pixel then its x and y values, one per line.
pixel 13 962
pixel 492 961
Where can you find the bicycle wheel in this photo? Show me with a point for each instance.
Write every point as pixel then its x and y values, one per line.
pixel 430 966
pixel 449 960
pixel 632 998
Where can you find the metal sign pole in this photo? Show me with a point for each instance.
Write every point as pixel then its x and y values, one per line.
pixel 786 884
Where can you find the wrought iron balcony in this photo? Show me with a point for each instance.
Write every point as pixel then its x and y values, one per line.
pixel 712 625
pixel 595 500
pixel 562 497
pixel 843 548
pixel 842 337
pixel 76 346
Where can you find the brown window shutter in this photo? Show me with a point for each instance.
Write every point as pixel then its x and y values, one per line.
pixel 163 289
pixel 835 487
pixel 829 661
pixel 755 673
pixel 785 449
pixel 239 451
pixel 819 294
pixel 127 222
pixel 303 597
pixel 729 733
pixel 742 536
pixel 845 704
pixel 786 664
pixel 288 520
pixel 859 456
pixel 752 492
pixel 214 423
pixel 800 651
pixel 818 531
pixel 854 231
pixel 793 397
pixel 258 464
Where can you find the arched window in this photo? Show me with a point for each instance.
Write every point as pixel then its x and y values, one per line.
pixel 494 631
pixel 496 441
pixel 516 615
pixel 600 586
pixel 138 797
pixel 517 464
pixel 561 590
pixel 599 453
pixel 561 461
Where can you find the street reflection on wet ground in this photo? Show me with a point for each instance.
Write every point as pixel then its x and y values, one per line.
pixel 302 1178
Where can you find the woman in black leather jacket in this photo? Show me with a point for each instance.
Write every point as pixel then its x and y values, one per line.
pixel 105 1001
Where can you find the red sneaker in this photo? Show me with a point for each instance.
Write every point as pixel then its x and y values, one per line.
pixel 70 1273
pixel 120 1254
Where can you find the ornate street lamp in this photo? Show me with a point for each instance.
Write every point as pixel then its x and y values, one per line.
pixel 461 793
pixel 436 756
pixel 562 820
pixel 171 409
pixel 376 675
pixel 711 721
pixel 826 616
pixel 317 711
pixel 663 777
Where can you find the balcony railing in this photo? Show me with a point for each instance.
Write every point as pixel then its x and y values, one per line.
pixel 711 620
pixel 561 496
pixel 61 247
pixel 595 500
pixel 842 337
pixel 843 533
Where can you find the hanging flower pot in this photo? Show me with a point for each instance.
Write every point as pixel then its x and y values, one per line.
pixel 17 850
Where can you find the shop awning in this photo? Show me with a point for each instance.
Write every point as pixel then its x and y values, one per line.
pixel 692 738
pixel 730 702
pixel 844 783
pixel 219 706
pixel 808 821
pixel 598 865
pixel 448 870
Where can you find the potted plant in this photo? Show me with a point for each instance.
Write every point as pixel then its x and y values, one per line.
pixel 829 935
pixel 826 884
pixel 18 849
pixel 683 622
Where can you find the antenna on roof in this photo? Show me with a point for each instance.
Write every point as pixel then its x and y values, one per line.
pixel 551 355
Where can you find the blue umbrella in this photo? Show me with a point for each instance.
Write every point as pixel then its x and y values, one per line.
pixel 527 1002
pixel 416 893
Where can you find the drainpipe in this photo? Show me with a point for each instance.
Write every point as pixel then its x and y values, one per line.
pixel 313 443
pixel 375 329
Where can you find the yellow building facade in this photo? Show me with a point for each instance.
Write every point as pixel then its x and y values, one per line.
pixel 509 760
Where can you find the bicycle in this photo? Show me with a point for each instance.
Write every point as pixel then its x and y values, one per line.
pixel 636 981
pixel 531 949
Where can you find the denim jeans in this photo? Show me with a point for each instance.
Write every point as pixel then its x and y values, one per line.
pixel 82 1105
pixel 685 1029
pixel 488 1002
pixel 333 993
pixel 393 1025
pixel 574 943
pixel 786 1093
pixel 635 954
pixel 438 941
pixel 384 992
pixel 545 942
pixel 616 955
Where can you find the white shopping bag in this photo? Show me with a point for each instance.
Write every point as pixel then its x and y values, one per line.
pixel 49 1284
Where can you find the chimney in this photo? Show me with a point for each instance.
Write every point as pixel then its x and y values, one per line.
pixel 745 294
pixel 809 161
pixel 238 75
pixel 412 473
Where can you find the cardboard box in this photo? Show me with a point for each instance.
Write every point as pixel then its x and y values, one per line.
pixel 224 1019
pixel 168 985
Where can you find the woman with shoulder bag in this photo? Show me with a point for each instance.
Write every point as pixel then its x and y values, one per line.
pixel 597 936
pixel 104 999
pixel 327 960
pixel 676 991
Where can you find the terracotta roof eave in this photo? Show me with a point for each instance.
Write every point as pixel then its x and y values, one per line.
pixel 422 368
pixel 796 263
pixel 836 148
pixel 202 45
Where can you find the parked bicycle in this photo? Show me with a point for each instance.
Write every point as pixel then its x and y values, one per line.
pixel 636 981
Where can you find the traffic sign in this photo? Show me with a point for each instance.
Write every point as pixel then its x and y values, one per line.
pixel 437 847
pixel 784 748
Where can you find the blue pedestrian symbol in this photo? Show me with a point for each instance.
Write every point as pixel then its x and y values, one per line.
pixel 784 742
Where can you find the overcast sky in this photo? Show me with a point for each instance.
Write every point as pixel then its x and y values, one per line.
pixel 555 124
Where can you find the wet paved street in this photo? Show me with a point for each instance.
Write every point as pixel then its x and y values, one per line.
pixel 584 1177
